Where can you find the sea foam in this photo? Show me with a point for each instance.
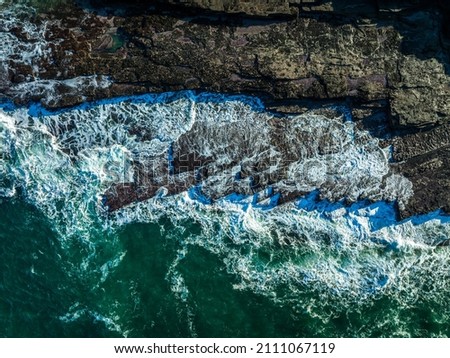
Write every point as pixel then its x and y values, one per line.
pixel 348 254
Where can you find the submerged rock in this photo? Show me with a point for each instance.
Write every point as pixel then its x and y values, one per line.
pixel 386 61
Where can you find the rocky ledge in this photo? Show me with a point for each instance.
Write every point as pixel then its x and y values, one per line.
pixel 387 61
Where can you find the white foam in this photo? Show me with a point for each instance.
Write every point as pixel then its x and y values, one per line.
pixel 342 260
pixel 53 91
pixel 77 312
pixel 24 44
pixel 347 256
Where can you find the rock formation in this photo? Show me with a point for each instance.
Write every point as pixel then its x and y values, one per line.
pixel 387 61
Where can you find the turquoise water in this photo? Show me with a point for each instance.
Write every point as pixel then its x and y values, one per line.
pixel 325 264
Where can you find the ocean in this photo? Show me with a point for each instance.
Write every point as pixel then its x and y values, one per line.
pixel 326 264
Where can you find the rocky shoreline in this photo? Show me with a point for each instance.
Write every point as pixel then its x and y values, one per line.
pixel 386 62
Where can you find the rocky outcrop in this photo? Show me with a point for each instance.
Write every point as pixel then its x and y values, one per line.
pixel 399 54
pixel 388 61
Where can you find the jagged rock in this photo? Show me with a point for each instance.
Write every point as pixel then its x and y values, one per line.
pixel 305 58
pixel 388 61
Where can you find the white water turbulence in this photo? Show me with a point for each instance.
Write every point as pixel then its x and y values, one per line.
pixel 22 41
pixel 26 40
pixel 332 244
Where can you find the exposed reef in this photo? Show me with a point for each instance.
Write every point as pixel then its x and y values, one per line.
pixel 387 62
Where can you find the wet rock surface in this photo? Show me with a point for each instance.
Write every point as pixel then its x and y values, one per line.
pixel 232 150
pixel 388 62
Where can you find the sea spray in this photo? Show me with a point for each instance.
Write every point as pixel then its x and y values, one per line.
pixel 27 41
pixel 317 257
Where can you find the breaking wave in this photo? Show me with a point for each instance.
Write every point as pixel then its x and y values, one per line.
pixel 27 42
pixel 336 247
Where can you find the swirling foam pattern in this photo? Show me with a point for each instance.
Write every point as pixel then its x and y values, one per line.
pixel 320 255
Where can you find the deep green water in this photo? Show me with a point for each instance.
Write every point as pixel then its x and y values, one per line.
pixel 38 289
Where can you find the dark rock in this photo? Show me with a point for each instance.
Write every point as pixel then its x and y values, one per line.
pixel 387 60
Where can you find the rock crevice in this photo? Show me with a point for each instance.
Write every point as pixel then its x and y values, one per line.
pixel 388 62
